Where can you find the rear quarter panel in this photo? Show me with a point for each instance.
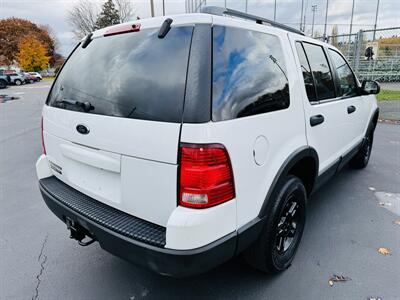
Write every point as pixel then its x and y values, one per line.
pixel 283 131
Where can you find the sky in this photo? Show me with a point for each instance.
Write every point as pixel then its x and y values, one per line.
pixel 54 13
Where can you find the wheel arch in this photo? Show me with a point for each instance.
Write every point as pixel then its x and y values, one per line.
pixel 374 119
pixel 250 233
pixel 303 163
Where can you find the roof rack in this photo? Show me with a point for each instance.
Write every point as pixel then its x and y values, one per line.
pixel 221 11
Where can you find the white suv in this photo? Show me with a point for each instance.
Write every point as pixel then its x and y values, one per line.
pixel 179 143
pixel 36 75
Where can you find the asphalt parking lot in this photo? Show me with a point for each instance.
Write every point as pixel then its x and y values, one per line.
pixel 348 220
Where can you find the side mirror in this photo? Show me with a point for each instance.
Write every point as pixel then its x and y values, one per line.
pixel 370 87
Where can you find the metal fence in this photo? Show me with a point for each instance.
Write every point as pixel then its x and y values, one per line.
pixel 373 54
pixel 193 6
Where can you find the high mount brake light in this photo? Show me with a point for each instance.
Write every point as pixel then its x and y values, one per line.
pixel 122 29
pixel 206 177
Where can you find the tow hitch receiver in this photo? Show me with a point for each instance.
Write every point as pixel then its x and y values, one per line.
pixel 78 232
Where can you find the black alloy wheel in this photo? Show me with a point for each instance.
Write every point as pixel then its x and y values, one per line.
pixel 276 247
pixel 361 159
pixel 287 227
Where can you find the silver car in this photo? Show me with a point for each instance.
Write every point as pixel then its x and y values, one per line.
pixel 17 79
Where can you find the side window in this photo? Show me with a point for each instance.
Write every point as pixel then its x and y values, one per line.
pixel 249 74
pixel 321 71
pixel 306 70
pixel 347 82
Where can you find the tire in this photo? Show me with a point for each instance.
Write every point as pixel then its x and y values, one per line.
pixel 18 82
pixel 361 159
pixel 269 254
pixel 3 84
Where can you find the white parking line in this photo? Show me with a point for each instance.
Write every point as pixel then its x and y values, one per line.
pixel 39 87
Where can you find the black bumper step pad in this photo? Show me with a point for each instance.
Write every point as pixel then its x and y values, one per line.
pixel 102 214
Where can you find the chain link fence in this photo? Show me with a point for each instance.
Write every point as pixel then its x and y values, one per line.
pixel 373 54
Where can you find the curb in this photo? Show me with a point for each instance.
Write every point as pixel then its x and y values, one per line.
pixel 385 121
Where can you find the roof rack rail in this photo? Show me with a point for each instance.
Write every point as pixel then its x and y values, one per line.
pixel 221 11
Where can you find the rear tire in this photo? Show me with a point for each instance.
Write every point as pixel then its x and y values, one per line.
pixel 276 247
pixel 361 159
pixel 3 84
pixel 18 82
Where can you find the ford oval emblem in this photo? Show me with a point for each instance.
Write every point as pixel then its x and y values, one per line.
pixel 82 129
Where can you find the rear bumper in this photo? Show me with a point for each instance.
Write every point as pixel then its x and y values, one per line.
pixel 143 247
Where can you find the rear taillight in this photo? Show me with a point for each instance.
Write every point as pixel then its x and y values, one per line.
pixel 41 125
pixel 206 177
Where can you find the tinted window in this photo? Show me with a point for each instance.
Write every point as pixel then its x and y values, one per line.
pixel 321 72
pixel 198 87
pixel 347 81
pixel 306 70
pixel 249 74
pixel 133 75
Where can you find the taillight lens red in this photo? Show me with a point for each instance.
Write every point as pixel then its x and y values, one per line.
pixel 43 147
pixel 206 177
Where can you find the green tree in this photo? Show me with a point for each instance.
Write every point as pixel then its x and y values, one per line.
pixel 108 16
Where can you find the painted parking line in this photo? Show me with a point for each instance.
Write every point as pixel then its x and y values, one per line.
pixel 25 88
pixel 39 87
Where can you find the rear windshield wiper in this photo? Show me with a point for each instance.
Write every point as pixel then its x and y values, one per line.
pixel 86 106
pixel 87 40
pixel 165 27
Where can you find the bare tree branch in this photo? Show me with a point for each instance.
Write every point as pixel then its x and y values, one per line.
pixel 125 9
pixel 52 35
pixel 82 17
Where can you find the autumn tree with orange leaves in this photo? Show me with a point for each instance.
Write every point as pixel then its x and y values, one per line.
pixel 14 30
pixel 32 55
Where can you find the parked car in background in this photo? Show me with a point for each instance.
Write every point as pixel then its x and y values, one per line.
pixel 7 72
pixel 48 73
pixel 16 78
pixel 3 81
pixel 29 78
pixel 36 75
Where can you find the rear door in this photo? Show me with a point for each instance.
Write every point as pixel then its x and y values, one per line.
pixel 329 128
pixel 113 118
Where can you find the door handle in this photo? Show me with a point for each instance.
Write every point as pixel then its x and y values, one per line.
pixel 316 120
pixel 351 109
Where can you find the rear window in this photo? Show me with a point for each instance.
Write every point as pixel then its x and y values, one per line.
pixel 307 75
pixel 249 74
pixel 321 71
pixel 133 75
